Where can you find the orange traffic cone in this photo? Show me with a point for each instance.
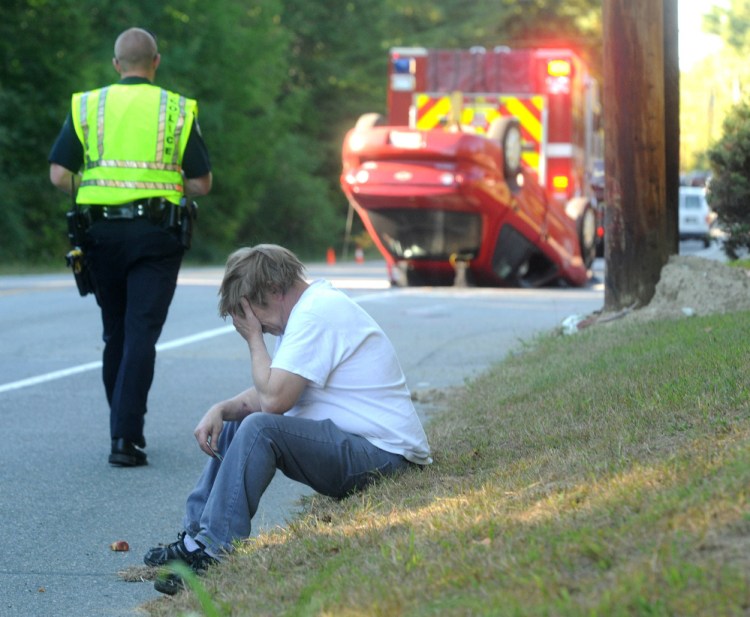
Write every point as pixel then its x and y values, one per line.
pixel 359 256
pixel 331 256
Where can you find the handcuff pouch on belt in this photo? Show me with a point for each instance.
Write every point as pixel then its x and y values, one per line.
pixel 181 218
pixel 184 216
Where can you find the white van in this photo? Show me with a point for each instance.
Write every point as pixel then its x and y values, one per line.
pixel 695 217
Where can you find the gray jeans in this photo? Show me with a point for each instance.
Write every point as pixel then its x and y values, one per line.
pixel 316 453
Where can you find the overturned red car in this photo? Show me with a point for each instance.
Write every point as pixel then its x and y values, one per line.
pixel 481 169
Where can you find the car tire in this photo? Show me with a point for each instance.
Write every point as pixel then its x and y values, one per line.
pixel 587 235
pixel 367 121
pixel 507 132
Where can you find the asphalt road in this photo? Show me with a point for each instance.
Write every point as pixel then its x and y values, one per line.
pixel 62 505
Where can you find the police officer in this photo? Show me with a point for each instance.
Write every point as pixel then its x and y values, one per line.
pixel 139 152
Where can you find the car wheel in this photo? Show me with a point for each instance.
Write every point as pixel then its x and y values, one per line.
pixel 507 131
pixel 367 121
pixel 587 236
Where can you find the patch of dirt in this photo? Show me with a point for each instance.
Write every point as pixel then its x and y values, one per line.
pixel 689 285
pixel 430 400
pixel 138 574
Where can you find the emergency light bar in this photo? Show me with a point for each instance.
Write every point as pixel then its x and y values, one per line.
pixel 559 73
pixel 560 182
pixel 402 65
pixel 559 68
pixel 402 77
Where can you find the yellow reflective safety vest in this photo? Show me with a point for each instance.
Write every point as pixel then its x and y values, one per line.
pixel 134 138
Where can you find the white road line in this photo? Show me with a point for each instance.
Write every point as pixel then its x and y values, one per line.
pixel 201 336
pixel 32 381
pixel 82 368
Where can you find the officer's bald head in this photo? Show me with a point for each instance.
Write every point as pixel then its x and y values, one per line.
pixel 135 50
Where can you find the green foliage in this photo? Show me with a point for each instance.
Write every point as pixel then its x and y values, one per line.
pixel 731 23
pixel 208 606
pixel 729 195
pixel 35 44
pixel 575 23
pixel 336 76
pixel 296 208
pixel 488 23
pixel 244 112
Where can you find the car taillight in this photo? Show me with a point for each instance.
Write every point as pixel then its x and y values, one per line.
pixel 362 176
pixel 357 141
pixel 448 179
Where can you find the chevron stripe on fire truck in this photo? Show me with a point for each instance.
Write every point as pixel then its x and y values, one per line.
pixel 479 111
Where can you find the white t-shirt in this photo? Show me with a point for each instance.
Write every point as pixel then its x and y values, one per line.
pixel 355 377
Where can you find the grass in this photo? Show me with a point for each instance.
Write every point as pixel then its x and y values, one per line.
pixel 606 473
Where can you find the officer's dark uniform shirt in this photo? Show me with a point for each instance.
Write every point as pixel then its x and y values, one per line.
pixel 68 149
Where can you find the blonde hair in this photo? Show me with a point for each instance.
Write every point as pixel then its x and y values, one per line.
pixel 253 272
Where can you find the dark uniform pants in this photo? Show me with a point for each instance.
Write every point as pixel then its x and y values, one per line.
pixel 135 264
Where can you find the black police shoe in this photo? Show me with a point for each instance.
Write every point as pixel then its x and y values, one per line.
pixel 125 454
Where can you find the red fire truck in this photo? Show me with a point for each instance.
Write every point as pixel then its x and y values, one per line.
pixel 481 167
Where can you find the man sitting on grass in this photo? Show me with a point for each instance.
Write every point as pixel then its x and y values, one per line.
pixel 331 409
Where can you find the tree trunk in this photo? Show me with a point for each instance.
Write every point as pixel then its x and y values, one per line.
pixel 641 124
pixel 672 124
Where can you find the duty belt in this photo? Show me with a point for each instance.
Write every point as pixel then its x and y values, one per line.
pixel 155 210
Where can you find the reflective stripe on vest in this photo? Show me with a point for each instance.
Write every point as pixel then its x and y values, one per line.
pixel 148 168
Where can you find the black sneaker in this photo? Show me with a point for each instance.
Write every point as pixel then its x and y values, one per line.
pixel 171 583
pixel 163 554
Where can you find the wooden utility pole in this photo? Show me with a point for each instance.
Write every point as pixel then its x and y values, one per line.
pixel 641 128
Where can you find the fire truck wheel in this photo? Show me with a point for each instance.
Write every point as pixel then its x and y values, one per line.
pixel 587 235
